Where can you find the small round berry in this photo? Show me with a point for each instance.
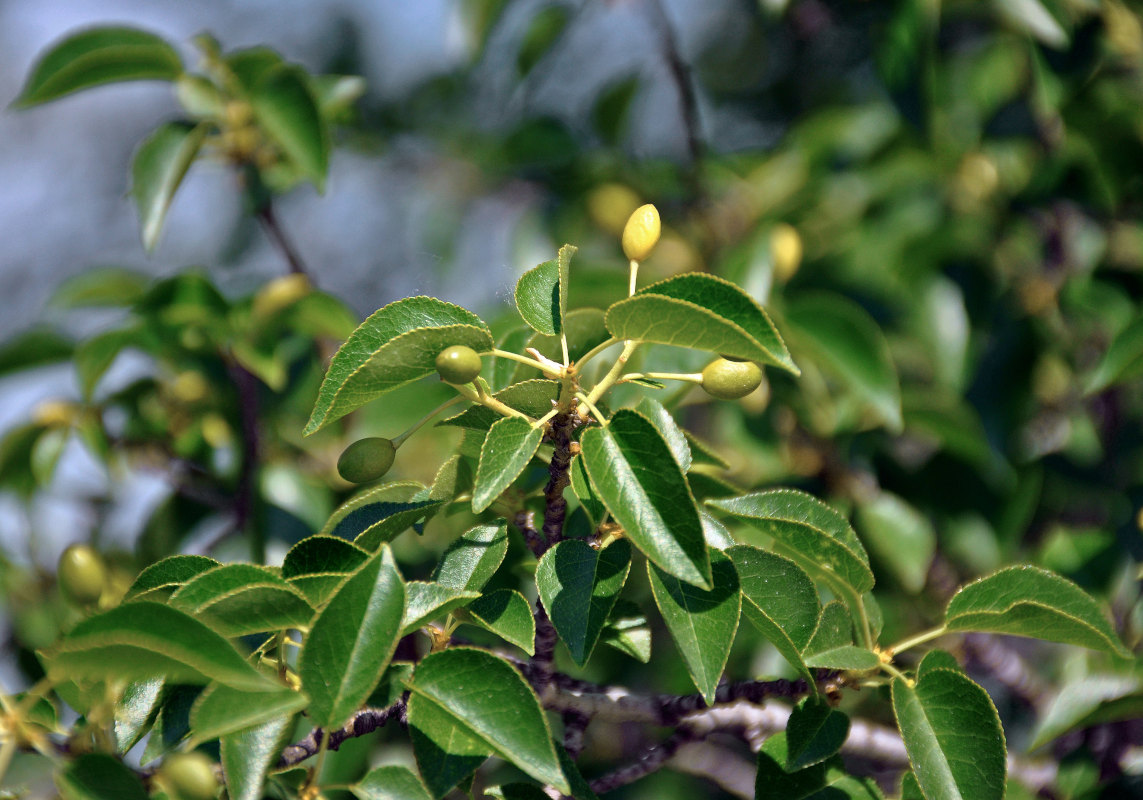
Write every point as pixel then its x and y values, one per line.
pixel 189 776
pixel 458 364
pixel 81 574
pixel 730 380
pixel 366 459
pixel 785 251
pixel 641 233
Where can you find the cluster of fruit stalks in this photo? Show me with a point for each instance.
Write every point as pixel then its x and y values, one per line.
pixel 368 459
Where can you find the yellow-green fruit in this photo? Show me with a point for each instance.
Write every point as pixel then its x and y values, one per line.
pixel 730 380
pixel 785 251
pixel 366 460
pixel 610 204
pixel 81 574
pixel 189 776
pixel 458 364
pixel 641 233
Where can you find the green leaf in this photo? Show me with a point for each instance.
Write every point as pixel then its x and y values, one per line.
pixel 396 345
pixel 240 599
pixel 779 599
pixel 286 110
pixel 901 536
pixel 510 445
pixel 1090 701
pixel 703 312
pixel 636 475
pixel 447 751
pixel 503 369
pixel 826 781
pixel 172 721
pixel 814 733
pixel 425 602
pixel 839 336
pixel 1029 601
pixel 578 587
pixel 453 479
pixel 815 535
pixel 627 631
pixel 220 710
pixel 94 356
pixel 351 641
pixel 135 711
pixel 491 702
pixel 937 659
pixel 506 613
pixel 321 554
pixel 672 434
pixel 473 558
pixel 953 736
pixel 390 783
pixel 542 33
pixel 146 640
pixel 379 514
pixel 34 348
pixel 832 644
pixel 97 776
pixel 170 572
pixel 584 330
pixel 582 489
pixel 247 756
pixel 101 287
pixel 1123 360
pixel 702 623
pixel 534 398
pixel 703 453
pixel 541 293
pixel 97 56
pixel 160 163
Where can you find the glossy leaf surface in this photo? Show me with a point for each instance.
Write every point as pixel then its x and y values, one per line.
pixel 953 736
pixel 636 475
pixel 492 703
pixel 703 312
pixel 1029 601
pixel 702 623
pixel 510 445
pixel 578 587
pixel 352 640
pixel 396 345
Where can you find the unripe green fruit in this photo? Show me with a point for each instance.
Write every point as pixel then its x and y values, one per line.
pixel 730 380
pixel 458 364
pixel 366 460
pixel 189 776
pixel 81 574
pixel 641 233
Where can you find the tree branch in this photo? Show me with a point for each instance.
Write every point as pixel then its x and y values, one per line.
pixel 651 760
pixel 560 431
pixel 363 722
pixel 279 239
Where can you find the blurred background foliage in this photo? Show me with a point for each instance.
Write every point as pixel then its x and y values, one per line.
pixel 939 203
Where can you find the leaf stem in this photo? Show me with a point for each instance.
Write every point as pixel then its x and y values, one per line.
pixel 920 638
pixel 690 377
pixel 480 396
pixel 613 374
pixel 531 362
pixel 545 418
pixel 398 440
pixel 583 398
pixel 593 352
pixel 896 673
